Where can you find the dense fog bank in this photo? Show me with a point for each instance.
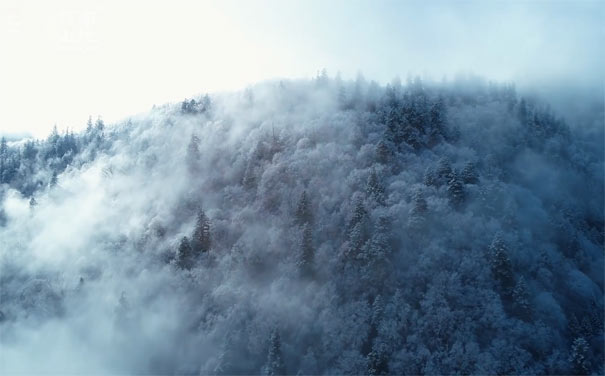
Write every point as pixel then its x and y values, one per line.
pixel 312 227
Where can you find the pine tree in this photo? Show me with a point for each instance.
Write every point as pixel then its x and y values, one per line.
pixel 189 106
pixel 419 209
pixel 412 136
pixel 205 104
pixel 193 154
pixel 202 241
pixel 379 246
pixel 455 190
pixel 574 326
pixel 359 213
pixel 430 177
pixel 419 203
pixel 437 120
pixel 53 180
pixel 500 265
pixel 522 113
pixel 444 170
pixel 394 129
pixel 377 310
pixel 89 125
pixel 357 239
pixel 579 357
pixel 306 251
pixel 303 210
pixel 521 299
pixel 99 125
pixel 275 363
pixel 343 102
pixel 586 327
pixel 469 174
pixel 377 363
pixel 596 318
pixel 249 180
pixel 3 161
pixel 185 257
pixel 383 154
pixel 3 148
pixel 374 188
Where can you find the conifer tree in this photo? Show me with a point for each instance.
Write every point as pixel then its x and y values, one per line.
pixel 306 251
pixel 521 299
pixel 500 265
pixel 430 177
pixel 359 213
pixel 193 154
pixel 444 170
pixel 419 209
pixel 455 190
pixel 201 241
pixel 89 125
pixel 275 363
pixel 185 257
pixel 303 210
pixel 32 203
pixel 579 357
pixel 469 174
pixel 377 363
pixel 374 188
pixel 383 154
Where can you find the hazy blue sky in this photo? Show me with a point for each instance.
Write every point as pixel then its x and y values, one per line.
pixel 64 60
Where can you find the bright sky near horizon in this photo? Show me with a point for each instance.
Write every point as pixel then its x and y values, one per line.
pixel 63 60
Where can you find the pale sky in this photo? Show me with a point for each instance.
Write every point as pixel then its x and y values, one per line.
pixel 62 61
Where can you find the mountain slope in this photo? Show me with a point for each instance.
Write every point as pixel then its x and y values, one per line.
pixel 308 226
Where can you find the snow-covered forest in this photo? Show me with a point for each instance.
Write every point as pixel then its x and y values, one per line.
pixel 309 227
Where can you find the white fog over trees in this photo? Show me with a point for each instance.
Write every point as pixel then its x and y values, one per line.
pixel 309 227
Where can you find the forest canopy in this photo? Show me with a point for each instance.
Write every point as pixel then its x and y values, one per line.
pixel 309 226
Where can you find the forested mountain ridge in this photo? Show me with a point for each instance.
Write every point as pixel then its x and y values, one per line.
pixel 313 227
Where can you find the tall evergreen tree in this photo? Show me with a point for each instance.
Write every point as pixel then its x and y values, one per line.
pixel 377 363
pixel 99 125
pixel 205 104
pixel 3 148
pixel 383 153
pixel 3 161
pixel 444 170
pixel 455 190
pixel 412 136
pixel 521 305
pixel 375 188
pixel 89 125
pixel 303 210
pixel 500 265
pixel 522 112
pixel 419 209
pixel 437 117
pixel 53 180
pixel 185 256
pixel 202 241
pixel 193 154
pixel 469 174
pixel 359 213
pixel 306 256
pixel 275 363
pixel 430 177
pixel 579 356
